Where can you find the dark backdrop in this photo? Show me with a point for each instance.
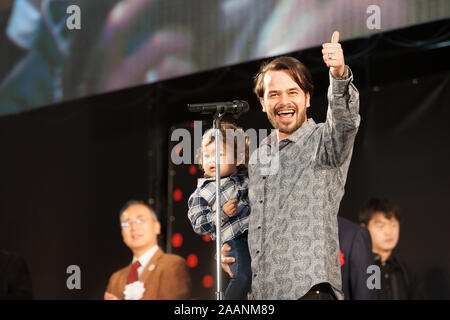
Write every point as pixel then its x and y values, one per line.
pixel 66 170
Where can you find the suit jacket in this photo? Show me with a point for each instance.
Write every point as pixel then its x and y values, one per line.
pixel 356 255
pixel 165 277
pixel 15 280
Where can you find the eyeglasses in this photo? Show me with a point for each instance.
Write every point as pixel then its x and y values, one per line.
pixel 128 223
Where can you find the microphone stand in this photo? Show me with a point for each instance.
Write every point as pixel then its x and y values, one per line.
pixel 216 126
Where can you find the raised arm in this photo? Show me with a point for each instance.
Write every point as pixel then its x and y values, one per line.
pixel 341 125
pixel 203 219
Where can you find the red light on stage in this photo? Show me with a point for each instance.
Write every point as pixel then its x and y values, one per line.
pixel 207 281
pixel 177 240
pixel 177 195
pixel 178 150
pixel 206 238
pixel 192 169
pixel 192 260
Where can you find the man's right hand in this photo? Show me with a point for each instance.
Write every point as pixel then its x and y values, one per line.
pixel 225 261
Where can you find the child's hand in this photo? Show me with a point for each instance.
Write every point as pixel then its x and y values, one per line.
pixel 230 208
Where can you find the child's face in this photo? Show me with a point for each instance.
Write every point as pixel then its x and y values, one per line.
pixel 227 162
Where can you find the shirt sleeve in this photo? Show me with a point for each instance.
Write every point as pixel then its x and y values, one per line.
pixel 229 191
pixel 201 216
pixel 340 128
pixel 240 192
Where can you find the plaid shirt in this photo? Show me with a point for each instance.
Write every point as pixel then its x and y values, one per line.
pixel 202 207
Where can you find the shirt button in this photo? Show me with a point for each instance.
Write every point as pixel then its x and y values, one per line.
pixel 264 178
pixel 259 227
pixel 254 275
pixel 260 201
pixel 257 251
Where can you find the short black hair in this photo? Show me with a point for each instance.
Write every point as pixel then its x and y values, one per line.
pixel 131 203
pixel 386 206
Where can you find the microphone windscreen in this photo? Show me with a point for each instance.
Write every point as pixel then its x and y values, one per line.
pixel 241 106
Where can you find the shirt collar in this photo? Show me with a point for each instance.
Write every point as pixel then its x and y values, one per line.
pixel 201 181
pixel 272 139
pixel 146 257
pixel 391 260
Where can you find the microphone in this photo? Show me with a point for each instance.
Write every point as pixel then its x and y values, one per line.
pixel 235 107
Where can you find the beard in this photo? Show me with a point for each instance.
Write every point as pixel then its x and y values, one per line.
pixel 297 121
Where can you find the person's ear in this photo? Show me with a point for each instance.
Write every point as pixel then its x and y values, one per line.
pixel 307 100
pixel 261 100
pixel 157 227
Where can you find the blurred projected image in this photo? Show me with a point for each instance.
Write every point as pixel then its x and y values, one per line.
pixel 47 58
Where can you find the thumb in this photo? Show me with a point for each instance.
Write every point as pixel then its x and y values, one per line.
pixel 335 37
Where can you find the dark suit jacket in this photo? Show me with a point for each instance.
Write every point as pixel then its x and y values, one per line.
pixel 15 280
pixel 165 277
pixel 356 255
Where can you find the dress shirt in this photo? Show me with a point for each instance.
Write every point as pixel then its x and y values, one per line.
pixel 145 258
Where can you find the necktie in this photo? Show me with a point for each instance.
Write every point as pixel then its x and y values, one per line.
pixel 133 276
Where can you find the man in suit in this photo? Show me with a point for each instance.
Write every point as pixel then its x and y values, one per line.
pixel 355 256
pixel 152 274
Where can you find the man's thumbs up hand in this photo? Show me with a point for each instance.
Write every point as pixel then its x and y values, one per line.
pixel 335 37
pixel 333 56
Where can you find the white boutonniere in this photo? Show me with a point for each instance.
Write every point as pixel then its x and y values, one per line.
pixel 134 291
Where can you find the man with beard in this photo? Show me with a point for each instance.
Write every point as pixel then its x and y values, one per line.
pixel 293 231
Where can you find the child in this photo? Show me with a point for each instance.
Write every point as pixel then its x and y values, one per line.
pixel 233 200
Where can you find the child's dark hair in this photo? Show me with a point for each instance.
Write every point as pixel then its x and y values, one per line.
pixel 227 131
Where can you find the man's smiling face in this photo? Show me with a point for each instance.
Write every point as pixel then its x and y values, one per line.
pixel 284 102
pixel 139 229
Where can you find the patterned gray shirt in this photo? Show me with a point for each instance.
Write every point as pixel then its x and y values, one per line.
pixel 293 231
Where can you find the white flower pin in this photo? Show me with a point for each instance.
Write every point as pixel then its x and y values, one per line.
pixel 134 291
pixel 151 267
